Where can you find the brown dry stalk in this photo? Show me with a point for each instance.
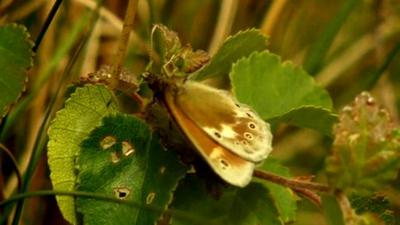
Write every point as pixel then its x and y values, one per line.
pixel 123 41
pixel 291 183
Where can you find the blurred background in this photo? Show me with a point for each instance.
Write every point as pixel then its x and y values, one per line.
pixel 347 45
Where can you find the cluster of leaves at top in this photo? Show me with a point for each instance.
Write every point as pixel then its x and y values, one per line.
pixel 94 147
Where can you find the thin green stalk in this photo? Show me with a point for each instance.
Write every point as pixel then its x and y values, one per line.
pixel 318 51
pixel 368 81
pixel 107 198
pixel 14 163
pixel 373 79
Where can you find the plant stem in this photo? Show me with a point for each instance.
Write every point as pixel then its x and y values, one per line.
pixel 46 24
pixel 103 197
pixel 291 183
pixel 123 41
pixel 318 51
pixel 226 16
pixel 272 16
pixel 14 164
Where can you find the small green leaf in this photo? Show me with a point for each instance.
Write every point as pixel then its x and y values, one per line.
pixel 125 159
pixel 246 206
pixel 235 47
pixel 283 197
pixel 16 58
pixel 83 111
pixel 333 213
pixel 275 89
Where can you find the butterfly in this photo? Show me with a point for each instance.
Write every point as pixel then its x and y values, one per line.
pixel 230 136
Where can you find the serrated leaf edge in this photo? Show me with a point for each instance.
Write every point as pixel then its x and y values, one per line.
pixel 195 75
pixel 284 64
pixel 27 36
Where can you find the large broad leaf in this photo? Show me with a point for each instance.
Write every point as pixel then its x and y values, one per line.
pixel 16 58
pixel 83 111
pixel 283 197
pixel 281 92
pixel 123 158
pixel 235 47
pixel 247 206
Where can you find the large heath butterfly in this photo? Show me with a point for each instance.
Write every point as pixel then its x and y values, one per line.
pixel 229 135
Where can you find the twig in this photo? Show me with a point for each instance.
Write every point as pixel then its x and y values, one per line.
pixel 349 215
pixel 310 195
pixel 123 41
pixel 291 183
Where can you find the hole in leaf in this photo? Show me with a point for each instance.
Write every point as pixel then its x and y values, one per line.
pixel 114 157
pixel 127 148
pixel 162 169
pixel 107 142
pixel 150 197
pixel 121 192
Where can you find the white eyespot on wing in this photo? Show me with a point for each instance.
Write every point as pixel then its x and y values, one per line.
pixel 231 167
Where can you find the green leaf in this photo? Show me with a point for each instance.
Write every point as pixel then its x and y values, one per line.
pixel 246 206
pixel 280 91
pixel 333 213
pixel 235 47
pixel 283 197
pixel 16 58
pixel 123 158
pixel 83 111
pixel 320 119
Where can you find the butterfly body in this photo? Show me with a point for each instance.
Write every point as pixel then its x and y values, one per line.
pixel 229 135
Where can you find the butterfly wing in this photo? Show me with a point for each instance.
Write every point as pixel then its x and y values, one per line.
pixel 233 125
pixel 229 166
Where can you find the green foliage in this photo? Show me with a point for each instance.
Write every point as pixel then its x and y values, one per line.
pixel 230 51
pixel 319 49
pixel 16 58
pixel 82 112
pixel 366 149
pixel 173 58
pixel 249 205
pixel 376 204
pixel 123 158
pixel 332 211
pixel 281 92
pixel 284 199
